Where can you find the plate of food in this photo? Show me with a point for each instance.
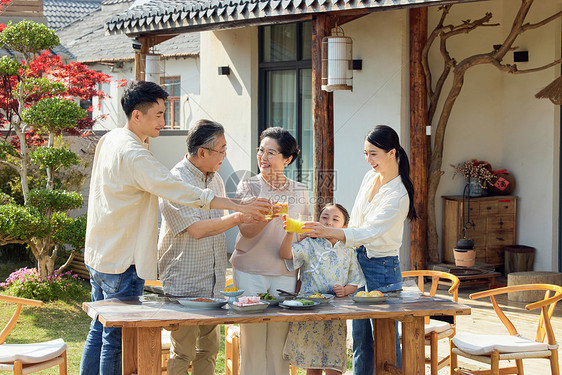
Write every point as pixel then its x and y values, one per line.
pixel 273 301
pixel 202 302
pixel 318 297
pixel 298 304
pixel 248 304
pixel 368 297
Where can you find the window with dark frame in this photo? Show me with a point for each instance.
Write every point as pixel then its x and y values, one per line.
pixel 172 85
pixel 285 88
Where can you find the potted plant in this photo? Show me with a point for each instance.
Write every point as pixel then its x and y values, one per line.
pixel 478 175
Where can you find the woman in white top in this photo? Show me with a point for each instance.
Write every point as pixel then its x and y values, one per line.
pixel 384 201
pixel 258 266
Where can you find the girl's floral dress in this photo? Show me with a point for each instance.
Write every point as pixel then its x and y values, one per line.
pixel 321 344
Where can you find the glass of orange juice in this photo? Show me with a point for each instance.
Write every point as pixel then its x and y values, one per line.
pixel 294 225
pixel 283 207
pixel 269 215
pixel 303 219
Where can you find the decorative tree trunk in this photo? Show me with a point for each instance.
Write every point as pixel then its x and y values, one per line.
pixel 495 57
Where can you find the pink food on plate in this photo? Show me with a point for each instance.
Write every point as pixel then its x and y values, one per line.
pixel 247 301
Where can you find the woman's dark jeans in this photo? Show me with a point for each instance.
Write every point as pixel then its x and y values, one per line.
pixel 381 274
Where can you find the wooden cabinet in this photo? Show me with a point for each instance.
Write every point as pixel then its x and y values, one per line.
pixel 492 226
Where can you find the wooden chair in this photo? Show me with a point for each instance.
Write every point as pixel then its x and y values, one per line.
pixel 491 349
pixel 436 330
pixel 231 350
pixel 28 358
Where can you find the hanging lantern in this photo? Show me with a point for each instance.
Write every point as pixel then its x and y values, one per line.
pixel 337 63
pixel 153 68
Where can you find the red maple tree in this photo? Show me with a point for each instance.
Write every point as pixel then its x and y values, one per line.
pixel 79 80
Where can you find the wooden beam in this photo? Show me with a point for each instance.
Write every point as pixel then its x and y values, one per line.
pixel 322 119
pixel 419 141
pixel 341 18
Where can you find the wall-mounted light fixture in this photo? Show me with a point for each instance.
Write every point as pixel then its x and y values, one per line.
pixel 136 44
pixel 224 70
pixel 520 56
pixel 337 64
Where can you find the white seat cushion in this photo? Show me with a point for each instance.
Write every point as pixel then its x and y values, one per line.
pixel 436 326
pixel 166 341
pixel 32 353
pixel 485 344
pixel 233 331
pixel 433 326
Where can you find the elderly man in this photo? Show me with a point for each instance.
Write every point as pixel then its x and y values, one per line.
pixel 192 247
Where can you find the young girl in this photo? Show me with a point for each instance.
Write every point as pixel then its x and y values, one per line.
pixel 325 267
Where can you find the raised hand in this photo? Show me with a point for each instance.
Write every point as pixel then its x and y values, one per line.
pixel 284 217
pixel 257 207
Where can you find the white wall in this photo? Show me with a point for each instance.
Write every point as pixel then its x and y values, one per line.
pixel 232 100
pixel 496 118
pixel 111 106
pixel 185 67
pixel 169 147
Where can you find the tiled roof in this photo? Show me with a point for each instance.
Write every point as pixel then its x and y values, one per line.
pixel 62 12
pixel 58 50
pixel 88 41
pixel 155 15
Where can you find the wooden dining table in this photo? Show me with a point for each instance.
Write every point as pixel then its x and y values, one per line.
pixel 142 319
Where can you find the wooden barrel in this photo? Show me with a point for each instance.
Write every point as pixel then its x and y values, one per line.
pixel 531 277
pixel 518 258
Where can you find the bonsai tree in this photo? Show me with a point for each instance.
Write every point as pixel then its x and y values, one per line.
pixel 439 113
pixel 37 103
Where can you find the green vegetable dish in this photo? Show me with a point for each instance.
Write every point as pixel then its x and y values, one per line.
pixel 266 296
pixel 306 302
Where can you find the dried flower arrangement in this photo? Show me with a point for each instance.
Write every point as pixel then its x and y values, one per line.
pixel 475 169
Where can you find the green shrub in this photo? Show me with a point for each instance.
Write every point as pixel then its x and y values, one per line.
pixel 26 283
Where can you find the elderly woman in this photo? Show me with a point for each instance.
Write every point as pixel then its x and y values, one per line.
pixel 258 267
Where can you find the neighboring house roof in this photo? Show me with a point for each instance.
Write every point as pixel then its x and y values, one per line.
pixel 88 41
pixel 62 12
pixel 178 15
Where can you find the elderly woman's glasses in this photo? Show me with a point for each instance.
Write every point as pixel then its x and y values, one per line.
pixel 269 153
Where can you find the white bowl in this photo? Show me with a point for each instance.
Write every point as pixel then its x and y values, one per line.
pixel 250 308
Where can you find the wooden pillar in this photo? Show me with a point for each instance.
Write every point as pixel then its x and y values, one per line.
pixel 140 59
pixel 322 119
pixel 419 141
